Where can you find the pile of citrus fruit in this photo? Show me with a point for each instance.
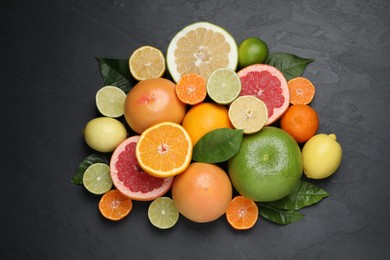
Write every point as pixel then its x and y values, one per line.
pixel 228 131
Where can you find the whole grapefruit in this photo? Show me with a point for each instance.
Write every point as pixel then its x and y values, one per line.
pixel 268 84
pixel 268 165
pixel 128 177
pixel 202 193
pixel 153 101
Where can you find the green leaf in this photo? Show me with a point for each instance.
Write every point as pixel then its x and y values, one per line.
pixel 279 216
pixel 88 161
pixel 115 72
pixel 306 194
pixel 289 64
pixel 218 145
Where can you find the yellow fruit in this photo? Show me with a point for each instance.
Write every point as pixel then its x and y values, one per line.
pixel 321 156
pixel 104 134
pixel 205 117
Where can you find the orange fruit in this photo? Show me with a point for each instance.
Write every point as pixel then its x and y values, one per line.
pixel 301 91
pixel 191 89
pixel 164 150
pixel 300 121
pixel 114 205
pixel 242 213
pixel 153 101
pixel 202 193
pixel 205 117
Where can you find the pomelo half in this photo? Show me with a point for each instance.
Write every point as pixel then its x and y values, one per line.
pixel 201 48
pixel 268 84
pixel 268 165
pixel 128 177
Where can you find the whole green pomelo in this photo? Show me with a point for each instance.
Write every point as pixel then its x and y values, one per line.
pixel 268 165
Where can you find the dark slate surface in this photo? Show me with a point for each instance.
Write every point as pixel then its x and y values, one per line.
pixel 48 80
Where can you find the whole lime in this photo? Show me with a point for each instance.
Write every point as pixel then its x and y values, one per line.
pixel 268 165
pixel 252 50
pixel 104 134
pixel 321 156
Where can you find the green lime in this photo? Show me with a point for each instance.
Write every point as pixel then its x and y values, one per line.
pixel 97 178
pixel 163 213
pixel 252 50
pixel 268 165
pixel 321 156
pixel 110 101
pixel 248 113
pixel 223 86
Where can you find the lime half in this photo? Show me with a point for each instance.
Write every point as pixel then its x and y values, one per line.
pixel 163 213
pixel 97 178
pixel 110 101
pixel 248 113
pixel 223 86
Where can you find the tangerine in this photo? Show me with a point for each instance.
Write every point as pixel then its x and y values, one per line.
pixel 153 101
pixel 202 193
pixel 191 89
pixel 205 117
pixel 301 90
pixel 300 121
pixel 242 213
pixel 114 205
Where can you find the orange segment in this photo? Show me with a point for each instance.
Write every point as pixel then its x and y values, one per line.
pixel 191 89
pixel 301 91
pixel 114 205
pixel 164 150
pixel 242 213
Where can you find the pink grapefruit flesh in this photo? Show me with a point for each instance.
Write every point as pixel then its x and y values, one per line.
pixel 268 84
pixel 130 179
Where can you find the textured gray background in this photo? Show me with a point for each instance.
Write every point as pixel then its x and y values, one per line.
pixel 48 79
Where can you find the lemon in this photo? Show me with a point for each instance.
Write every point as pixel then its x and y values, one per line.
pixel 248 113
pixel 147 62
pixel 104 134
pixel 321 156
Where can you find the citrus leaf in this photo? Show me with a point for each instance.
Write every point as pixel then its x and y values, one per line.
pixel 218 145
pixel 306 194
pixel 289 64
pixel 88 161
pixel 115 72
pixel 279 216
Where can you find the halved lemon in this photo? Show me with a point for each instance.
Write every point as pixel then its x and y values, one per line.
pixel 147 62
pixel 201 48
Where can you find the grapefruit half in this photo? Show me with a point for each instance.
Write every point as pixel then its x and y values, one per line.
pixel 128 177
pixel 268 84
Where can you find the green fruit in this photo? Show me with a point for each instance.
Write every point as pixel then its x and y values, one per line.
pixel 321 156
pixel 104 134
pixel 252 51
pixel 268 165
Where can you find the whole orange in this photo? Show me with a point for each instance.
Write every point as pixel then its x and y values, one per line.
pixel 202 193
pixel 153 101
pixel 205 117
pixel 300 121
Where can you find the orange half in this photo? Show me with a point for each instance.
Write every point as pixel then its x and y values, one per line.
pixel 242 213
pixel 114 205
pixel 164 150
pixel 191 89
pixel 301 91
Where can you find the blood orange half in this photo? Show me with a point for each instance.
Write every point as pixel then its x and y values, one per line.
pixel 130 179
pixel 268 84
